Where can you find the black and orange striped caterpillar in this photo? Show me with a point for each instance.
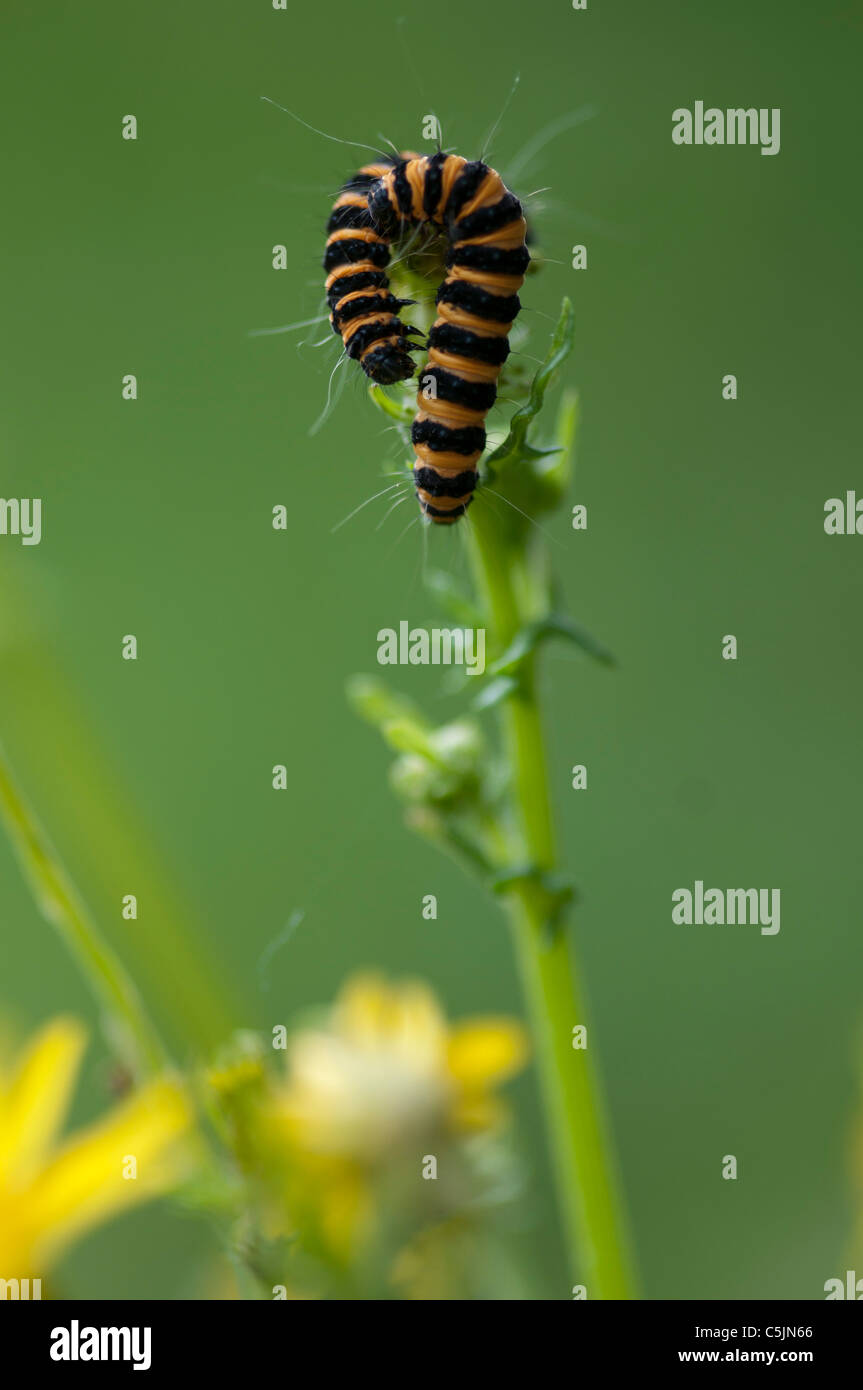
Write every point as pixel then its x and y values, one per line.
pixel 476 304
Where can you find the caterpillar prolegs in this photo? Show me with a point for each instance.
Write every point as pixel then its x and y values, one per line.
pixel 476 304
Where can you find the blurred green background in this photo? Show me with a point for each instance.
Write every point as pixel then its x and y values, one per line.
pixel 705 518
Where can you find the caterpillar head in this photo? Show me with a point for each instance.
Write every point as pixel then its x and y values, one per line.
pixel 388 362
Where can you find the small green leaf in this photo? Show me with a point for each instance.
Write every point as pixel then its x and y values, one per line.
pixel 397 410
pixel 493 693
pixel 561 346
pixel 377 704
pixel 410 736
pixel 399 722
pixel 531 638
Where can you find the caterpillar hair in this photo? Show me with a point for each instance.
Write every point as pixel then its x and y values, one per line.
pixel 476 304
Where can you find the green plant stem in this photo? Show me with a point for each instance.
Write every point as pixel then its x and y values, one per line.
pixel 584 1165
pixel 127 1022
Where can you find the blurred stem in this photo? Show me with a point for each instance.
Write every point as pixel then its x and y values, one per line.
pixel 128 1025
pixel 583 1161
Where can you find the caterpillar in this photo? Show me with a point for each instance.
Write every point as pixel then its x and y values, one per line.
pixel 476 304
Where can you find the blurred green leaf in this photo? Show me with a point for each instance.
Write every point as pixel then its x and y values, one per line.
pixel 378 704
pixel 494 692
pixel 531 638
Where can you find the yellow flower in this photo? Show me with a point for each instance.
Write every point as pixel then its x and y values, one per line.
pixel 52 1192
pixel 382 1077
pixel 387 1069
pixel 382 1080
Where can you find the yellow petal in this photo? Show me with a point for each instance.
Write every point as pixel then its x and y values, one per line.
pixel 486 1051
pixel 85 1183
pixel 404 1018
pixel 421 1031
pixel 363 1010
pixel 34 1103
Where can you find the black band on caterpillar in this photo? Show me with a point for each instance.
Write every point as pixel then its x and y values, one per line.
pixel 477 303
pixel 438 514
pixel 353 251
pixel 494 259
pixel 449 386
pixel 404 195
pixel 500 308
pixel 356 306
pixel 486 220
pixel 367 334
pixel 466 185
pixel 448 439
pixel 349 216
pixel 349 283
pixel 447 337
pixel 440 485
pixel 433 184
